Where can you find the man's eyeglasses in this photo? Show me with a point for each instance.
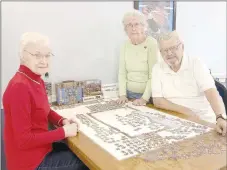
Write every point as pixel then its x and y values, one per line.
pixel 172 49
pixel 39 56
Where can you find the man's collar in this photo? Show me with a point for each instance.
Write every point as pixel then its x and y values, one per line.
pixel 184 65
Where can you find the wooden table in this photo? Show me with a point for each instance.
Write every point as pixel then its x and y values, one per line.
pixel 97 158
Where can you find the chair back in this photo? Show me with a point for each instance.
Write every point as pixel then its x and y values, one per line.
pixel 222 92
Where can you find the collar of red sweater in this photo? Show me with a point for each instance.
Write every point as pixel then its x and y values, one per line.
pixel 29 73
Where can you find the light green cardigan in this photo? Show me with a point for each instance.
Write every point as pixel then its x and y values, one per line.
pixel 135 67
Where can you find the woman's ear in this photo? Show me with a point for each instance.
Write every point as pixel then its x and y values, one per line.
pixel 22 59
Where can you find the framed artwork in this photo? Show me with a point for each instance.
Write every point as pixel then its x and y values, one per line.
pixel 161 15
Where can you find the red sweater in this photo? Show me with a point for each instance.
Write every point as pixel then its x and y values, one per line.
pixel 27 112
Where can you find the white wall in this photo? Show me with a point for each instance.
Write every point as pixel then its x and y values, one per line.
pixel 203 28
pixel 86 36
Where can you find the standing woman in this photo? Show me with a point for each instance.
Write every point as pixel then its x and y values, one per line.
pixel 28 143
pixel 137 58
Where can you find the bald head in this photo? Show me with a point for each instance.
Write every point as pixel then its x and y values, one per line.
pixel 35 51
pixel 171 48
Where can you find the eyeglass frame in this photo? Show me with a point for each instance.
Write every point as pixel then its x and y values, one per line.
pixel 41 56
pixel 130 25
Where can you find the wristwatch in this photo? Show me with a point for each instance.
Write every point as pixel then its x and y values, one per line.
pixel 222 116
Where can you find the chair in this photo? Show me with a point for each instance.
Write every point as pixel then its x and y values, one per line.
pixel 3 159
pixel 222 92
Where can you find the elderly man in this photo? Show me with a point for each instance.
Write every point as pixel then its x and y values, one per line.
pixel 28 143
pixel 183 84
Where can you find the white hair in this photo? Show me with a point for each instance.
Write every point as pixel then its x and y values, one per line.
pixel 136 14
pixel 31 37
pixel 165 36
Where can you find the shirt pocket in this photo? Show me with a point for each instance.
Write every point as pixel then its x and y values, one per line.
pixel 188 82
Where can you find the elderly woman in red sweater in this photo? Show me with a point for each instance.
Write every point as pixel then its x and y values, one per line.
pixel 28 143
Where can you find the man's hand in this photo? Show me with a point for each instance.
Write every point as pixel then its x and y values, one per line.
pixel 190 113
pixel 221 126
pixel 139 102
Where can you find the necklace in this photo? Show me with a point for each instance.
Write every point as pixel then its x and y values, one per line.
pixel 28 77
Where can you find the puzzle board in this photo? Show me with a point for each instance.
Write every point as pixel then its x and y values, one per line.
pixel 126 130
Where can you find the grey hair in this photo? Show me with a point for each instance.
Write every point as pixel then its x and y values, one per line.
pixel 137 14
pixel 31 37
pixel 168 35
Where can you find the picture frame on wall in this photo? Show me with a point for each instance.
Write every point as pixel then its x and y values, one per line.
pixel 161 15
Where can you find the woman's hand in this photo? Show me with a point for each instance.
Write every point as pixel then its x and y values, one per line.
pixel 69 121
pixel 122 100
pixel 70 129
pixel 139 102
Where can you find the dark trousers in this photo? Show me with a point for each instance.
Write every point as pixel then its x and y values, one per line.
pixel 61 158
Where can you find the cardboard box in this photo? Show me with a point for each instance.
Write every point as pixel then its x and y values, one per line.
pixel 69 92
